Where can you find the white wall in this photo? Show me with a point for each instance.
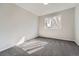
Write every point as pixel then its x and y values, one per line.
pixel 77 24
pixel 15 23
pixel 67 23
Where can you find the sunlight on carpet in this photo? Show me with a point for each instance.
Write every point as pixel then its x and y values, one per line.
pixel 33 46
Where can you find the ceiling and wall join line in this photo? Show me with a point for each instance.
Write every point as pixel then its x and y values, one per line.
pixel 66 9
pixel 40 9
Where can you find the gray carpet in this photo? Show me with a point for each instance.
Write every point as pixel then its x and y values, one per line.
pixel 55 47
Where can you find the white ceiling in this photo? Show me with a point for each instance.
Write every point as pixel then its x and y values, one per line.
pixel 40 9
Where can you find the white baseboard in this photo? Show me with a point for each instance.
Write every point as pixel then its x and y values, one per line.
pixel 76 42
pixel 24 38
pixel 57 38
pixel 7 46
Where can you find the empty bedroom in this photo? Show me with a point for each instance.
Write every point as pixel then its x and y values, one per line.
pixel 38 29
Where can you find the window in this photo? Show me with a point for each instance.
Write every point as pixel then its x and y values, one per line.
pixel 53 22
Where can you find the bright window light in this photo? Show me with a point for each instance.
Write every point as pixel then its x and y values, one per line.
pixel 53 22
pixel 45 3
